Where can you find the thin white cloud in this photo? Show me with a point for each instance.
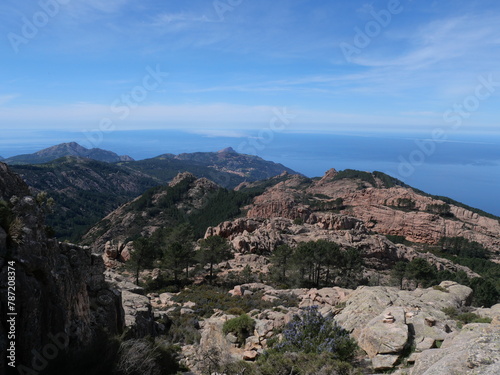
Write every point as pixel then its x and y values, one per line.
pixel 441 40
pixel 4 99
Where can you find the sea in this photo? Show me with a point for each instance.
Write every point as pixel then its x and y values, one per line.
pixel 464 167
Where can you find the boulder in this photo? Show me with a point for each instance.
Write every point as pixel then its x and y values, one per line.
pixel 475 350
pixel 425 344
pixel 250 355
pixel 139 316
pixel 378 337
pixel 384 362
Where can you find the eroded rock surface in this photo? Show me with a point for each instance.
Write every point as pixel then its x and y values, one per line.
pixel 60 288
pixel 262 236
pixel 375 204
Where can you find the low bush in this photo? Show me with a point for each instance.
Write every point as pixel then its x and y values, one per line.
pixel 208 298
pixel 147 356
pixel 464 317
pixel 310 332
pixel 242 327
pixel 235 311
pixel 292 363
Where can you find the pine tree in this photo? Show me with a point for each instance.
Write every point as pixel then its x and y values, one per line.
pixel 213 250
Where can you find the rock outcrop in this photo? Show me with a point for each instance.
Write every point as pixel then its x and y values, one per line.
pixel 262 236
pixel 111 235
pixel 475 350
pixel 395 210
pixel 395 328
pixel 386 321
pixel 60 291
pixel 139 317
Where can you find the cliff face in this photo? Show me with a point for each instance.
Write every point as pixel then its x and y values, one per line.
pixel 60 291
pixel 385 209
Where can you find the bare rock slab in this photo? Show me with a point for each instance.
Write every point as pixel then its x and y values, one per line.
pixel 378 337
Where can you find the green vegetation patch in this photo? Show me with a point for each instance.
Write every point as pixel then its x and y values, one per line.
pixel 242 327
pixel 208 298
pixel 389 181
pixel 355 175
pixel 424 274
pixel 464 317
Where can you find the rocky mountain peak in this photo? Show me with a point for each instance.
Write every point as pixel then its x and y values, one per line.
pixel 227 150
pixel 72 148
pixel 329 175
pixel 67 149
pixel 182 176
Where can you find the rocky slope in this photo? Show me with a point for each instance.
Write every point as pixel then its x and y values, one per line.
pixel 272 219
pixel 384 204
pixel 84 190
pixel 67 149
pixel 262 236
pixel 394 328
pixel 160 207
pixel 252 167
pixel 60 291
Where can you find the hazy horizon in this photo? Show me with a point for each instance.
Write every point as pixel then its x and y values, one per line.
pixel 457 168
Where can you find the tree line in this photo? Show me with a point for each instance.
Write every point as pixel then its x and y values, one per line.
pixel 316 264
pixel 174 250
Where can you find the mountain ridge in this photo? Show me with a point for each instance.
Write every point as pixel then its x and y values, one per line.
pixel 66 149
pixel 85 190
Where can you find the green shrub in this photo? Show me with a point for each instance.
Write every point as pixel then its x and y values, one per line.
pixel 452 312
pixel 406 204
pixel 292 363
pixel 397 239
pixel 440 209
pixel 147 356
pixel 208 298
pixel 485 292
pixel 388 181
pixel 235 311
pixel 464 318
pixel 470 317
pixel 242 327
pixel 239 367
pixel 464 248
pixel 354 174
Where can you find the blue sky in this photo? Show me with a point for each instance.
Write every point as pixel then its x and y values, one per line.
pixel 232 63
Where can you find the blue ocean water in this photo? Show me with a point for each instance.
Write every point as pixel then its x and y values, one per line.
pixel 465 167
